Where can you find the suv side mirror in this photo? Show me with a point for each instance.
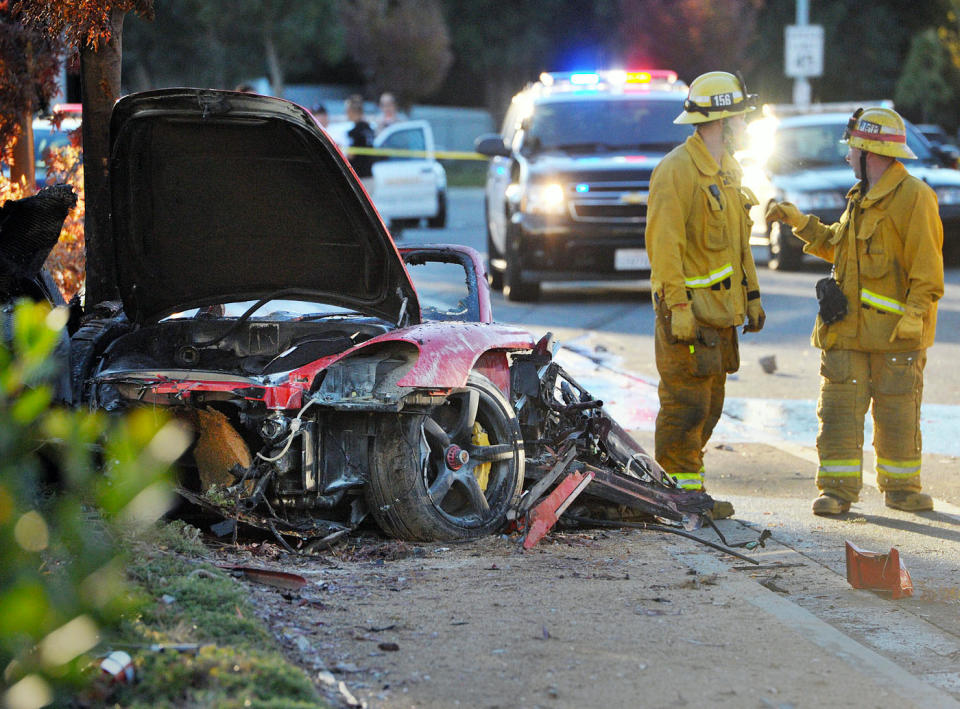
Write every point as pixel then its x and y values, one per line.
pixel 491 145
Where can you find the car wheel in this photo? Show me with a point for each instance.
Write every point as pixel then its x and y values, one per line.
pixel 450 474
pixel 514 287
pixel 786 252
pixel 439 221
pixel 494 276
pixel 86 346
pixel 397 226
pixel 951 249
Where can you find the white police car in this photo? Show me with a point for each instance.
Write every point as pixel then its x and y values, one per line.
pixel 409 184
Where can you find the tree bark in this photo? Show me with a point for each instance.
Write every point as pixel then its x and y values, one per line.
pixel 100 86
pixel 273 65
pixel 23 168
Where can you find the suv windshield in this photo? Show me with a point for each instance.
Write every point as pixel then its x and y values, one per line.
pixel 612 125
pixel 812 146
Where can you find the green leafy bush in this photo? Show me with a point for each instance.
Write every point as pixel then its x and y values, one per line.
pixel 71 483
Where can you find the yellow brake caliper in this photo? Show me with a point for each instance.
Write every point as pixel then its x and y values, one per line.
pixel 482 471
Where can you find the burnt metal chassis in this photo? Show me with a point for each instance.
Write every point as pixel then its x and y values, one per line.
pixel 565 429
pixel 568 432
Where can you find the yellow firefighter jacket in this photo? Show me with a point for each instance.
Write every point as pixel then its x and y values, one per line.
pixel 698 234
pixel 887 251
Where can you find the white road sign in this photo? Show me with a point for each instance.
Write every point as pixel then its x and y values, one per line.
pixel 803 50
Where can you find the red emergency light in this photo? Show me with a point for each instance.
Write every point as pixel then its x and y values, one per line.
pixel 646 76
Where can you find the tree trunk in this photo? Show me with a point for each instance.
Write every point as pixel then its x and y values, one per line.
pixel 100 87
pixel 273 66
pixel 23 168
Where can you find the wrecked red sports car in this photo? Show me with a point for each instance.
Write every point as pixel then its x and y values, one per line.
pixel 249 285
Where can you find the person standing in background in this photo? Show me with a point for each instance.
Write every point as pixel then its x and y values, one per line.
pixel 360 135
pixel 320 113
pixel 388 111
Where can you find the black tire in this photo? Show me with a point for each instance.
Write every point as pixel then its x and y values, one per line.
pixel 413 493
pixel 514 287
pixel 86 346
pixel 397 226
pixel 951 248
pixel 494 276
pixel 786 250
pixel 439 221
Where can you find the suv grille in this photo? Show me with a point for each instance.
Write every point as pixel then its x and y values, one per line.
pixel 623 202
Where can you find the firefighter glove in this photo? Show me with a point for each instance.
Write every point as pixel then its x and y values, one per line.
pixel 787 213
pixel 682 324
pixel 909 327
pixel 755 316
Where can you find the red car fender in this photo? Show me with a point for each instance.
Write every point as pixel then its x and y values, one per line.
pixel 449 351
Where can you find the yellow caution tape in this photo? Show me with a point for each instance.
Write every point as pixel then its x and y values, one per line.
pixel 397 153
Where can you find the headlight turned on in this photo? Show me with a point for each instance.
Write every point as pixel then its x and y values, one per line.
pixel 948 195
pixel 545 199
pixel 819 199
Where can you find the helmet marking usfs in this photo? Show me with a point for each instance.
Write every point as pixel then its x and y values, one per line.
pixel 716 95
pixel 878 130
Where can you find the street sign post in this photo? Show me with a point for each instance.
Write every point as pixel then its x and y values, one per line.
pixel 803 55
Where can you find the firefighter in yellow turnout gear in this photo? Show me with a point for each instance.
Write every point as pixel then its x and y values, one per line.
pixel 888 261
pixel 702 274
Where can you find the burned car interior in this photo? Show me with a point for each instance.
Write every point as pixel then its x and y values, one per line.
pixel 255 294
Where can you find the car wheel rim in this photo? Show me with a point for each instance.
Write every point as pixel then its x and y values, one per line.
pixel 470 458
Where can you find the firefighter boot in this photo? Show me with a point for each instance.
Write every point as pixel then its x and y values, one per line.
pixel 828 504
pixel 908 501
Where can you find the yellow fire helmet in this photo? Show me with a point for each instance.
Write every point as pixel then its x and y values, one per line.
pixel 878 130
pixel 716 95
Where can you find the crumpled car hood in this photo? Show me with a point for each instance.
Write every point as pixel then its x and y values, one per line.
pixel 220 197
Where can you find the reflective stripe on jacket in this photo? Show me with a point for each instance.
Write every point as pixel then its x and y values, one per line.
pixel 888 253
pixel 698 234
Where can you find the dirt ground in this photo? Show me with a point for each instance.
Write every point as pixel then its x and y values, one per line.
pixel 627 618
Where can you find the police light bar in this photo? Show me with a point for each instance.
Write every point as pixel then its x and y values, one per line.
pixel 649 75
pixel 584 79
pixel 646 78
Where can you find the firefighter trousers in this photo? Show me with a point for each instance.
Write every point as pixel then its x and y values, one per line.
pixel 849 382
pixel 692 380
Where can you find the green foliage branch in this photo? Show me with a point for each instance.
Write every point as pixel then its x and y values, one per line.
pixel 62 581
